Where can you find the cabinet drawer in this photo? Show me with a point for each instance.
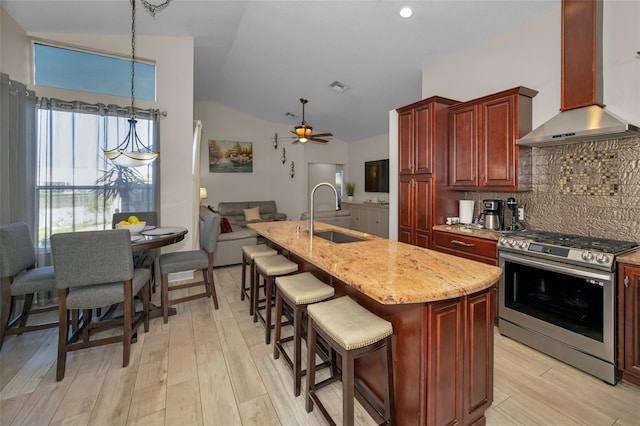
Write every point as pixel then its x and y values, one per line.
pixel 473 248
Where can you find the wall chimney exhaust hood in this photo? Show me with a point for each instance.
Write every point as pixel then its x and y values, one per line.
pixel 582 115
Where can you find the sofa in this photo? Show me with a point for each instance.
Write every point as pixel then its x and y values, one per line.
pixel 229 250
pixel 234 211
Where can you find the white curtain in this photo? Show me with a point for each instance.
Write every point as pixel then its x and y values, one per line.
pixel 17 153
pixel 195 189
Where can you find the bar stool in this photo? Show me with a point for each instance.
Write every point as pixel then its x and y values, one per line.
pixel 297 292
pixel 249 254
pixel 269 268
pixel 351 331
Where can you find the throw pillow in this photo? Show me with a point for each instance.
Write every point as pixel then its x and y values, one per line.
pixel 252 214
pixel 225 226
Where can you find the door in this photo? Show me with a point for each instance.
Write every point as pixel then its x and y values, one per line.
pixel 496 143
pixel 464 147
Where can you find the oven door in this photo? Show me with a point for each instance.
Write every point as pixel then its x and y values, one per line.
pixel 569 304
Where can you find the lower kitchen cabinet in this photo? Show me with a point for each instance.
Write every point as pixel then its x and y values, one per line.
pixel 629 322
pixel 371 218
pixel 469 247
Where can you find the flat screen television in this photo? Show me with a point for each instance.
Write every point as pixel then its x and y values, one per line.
pixel 376 176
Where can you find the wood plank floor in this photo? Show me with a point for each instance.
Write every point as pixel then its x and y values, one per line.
pixel 208 367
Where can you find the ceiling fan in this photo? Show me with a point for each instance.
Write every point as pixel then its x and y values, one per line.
pixel 304 132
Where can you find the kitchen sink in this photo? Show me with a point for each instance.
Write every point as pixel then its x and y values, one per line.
pixel 338 237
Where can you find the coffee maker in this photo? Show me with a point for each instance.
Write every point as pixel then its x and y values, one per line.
pixel 493 214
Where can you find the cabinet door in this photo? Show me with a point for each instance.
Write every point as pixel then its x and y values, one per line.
pixel 406 150
pixel 629 323
pixel 422 210
pixel 464 147
pixel 405 209
pixel 355 221
pixel 423 139
pixel 379 221
pixel 497 148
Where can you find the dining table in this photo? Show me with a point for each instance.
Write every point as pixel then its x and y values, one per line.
pixel 150 240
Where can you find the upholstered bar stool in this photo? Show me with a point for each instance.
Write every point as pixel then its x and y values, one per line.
pixel 353 332
pixel 249 254
pixel 297 292
pixel 269 267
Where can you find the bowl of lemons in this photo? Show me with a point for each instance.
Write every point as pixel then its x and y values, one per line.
pixel 133 224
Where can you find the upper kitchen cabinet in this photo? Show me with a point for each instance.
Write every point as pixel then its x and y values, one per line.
pixel 483 152
pixel 418 128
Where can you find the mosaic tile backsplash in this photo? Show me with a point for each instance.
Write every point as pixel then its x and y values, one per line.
pixel 589 188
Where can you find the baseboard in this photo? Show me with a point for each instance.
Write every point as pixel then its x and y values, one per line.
pixel 180 276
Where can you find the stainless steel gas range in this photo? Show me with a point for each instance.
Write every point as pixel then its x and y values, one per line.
pixel 557 295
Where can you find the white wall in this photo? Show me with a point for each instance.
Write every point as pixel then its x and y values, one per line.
pixel 270 179
pixel 375 148
pixel 14 49
pixel 174 94
pixel 530 56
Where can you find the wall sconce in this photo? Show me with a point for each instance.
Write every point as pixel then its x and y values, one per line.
pixel 275 141
pixel 292 171
pixel 284 156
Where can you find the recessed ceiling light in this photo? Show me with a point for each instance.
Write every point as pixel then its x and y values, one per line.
pixel 406 12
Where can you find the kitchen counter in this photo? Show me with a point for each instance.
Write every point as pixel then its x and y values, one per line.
pixel 440 306
pixel 487 234
pixel 387 271
pixel 632 257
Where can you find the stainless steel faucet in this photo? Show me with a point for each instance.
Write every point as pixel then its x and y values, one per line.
pixel 313 192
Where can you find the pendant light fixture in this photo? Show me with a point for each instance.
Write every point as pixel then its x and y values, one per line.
pixel 132 152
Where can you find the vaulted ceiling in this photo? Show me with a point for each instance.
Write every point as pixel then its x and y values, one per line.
pixel 261 56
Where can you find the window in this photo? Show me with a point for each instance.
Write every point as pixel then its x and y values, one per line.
pixel 90 72
pixel 77 187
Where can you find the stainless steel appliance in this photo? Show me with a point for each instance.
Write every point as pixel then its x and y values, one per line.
pixel 557 295
pixel 493 214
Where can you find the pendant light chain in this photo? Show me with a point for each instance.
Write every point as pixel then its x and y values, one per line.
pixel 133 55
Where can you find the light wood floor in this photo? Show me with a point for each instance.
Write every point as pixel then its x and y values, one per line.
pixel 209 367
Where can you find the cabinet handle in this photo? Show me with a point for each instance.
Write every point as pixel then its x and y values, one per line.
pixel 626 281
pixel 462 243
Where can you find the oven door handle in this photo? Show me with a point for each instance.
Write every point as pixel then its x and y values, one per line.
pixel 563 269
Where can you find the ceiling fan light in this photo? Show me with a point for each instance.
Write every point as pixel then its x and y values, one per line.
pixel 303 131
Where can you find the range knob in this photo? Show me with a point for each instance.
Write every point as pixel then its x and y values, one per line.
pixel 587 255
pixel 503 241
pixel 602 258
pixel 524 245
pixel 513 243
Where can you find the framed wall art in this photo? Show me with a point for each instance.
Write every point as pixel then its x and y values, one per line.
pixel 230 157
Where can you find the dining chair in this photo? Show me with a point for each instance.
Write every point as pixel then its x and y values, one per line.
pixel 95 269
pixel 20 277
pixel 146 258
pixel 182 261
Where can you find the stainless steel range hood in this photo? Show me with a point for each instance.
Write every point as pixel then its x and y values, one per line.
pixel 589 123
pixel 583 116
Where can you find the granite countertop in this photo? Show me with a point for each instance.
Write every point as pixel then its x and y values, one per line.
pixel 632 257
pixel 487 234
pixel 387 271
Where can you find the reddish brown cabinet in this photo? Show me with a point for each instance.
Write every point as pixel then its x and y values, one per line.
pixel 482 135
pixel 414 213
pixel 422 168
pixel 629 322
pixel 469 247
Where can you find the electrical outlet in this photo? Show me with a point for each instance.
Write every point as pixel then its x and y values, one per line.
pixel 520 213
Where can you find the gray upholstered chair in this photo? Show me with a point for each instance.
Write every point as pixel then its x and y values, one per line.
pixel 95 269
pixel 20 277
pixel 192 260
pixel 144 259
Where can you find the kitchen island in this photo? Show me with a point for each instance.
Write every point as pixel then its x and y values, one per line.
pixel 440 307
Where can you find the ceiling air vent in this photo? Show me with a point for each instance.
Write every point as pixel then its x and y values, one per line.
pixel 339 87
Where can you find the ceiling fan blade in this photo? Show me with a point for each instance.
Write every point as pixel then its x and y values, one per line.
pixel 318 140
pixel 322 135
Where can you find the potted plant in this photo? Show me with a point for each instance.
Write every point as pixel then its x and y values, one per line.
pixel 350 187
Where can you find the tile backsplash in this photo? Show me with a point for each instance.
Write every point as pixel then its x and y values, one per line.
pixel 589 188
